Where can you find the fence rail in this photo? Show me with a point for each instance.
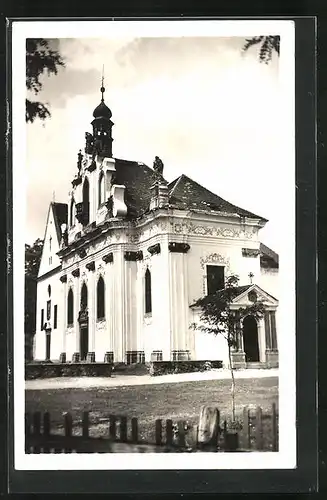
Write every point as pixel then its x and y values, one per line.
pixel 256 431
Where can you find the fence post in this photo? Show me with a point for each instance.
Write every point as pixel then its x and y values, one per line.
pixel 46 430
pixel 208 429
pixel 181 433
pixel 123 429
pixel 68 424
pixel 169 432
pixel 36 429
pixel 246 427
pixel 158 430
pixel 112 427
pixel 274 428
pixel 135 436
pixel 27 432
pixel 258 429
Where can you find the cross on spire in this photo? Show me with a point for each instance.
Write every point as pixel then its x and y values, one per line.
pixel 102 89
pixel 251 276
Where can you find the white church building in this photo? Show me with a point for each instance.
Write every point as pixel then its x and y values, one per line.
pixel 124 260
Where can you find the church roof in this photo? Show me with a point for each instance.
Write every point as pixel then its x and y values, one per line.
pixel 184 193
pixel 138 179
pixel 188 194
pixel 268 258
pixel 60 214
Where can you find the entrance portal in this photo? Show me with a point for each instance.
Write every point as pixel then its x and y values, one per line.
pixel 84 341
pixel 250 339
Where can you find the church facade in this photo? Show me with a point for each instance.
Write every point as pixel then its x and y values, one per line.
pixel 127 256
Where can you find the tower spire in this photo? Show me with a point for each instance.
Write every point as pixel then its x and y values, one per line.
pixel 102 89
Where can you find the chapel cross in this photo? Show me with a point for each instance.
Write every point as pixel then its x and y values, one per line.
pixel 251 276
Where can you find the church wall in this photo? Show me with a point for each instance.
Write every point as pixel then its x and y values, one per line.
pixel 49 258
pixel 56 333
pixel 154 329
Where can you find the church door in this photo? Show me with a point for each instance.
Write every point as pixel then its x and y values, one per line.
pixel 47 345
pixel 250 339
pixel 84 341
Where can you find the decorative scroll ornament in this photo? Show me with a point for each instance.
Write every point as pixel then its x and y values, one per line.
pixel 215 258
pixel 154 249
pixel 108 258
pixel 90 266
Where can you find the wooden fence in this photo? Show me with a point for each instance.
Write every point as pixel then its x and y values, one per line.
pixel 257 431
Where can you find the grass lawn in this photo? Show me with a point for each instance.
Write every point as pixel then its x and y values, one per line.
pixel 178 401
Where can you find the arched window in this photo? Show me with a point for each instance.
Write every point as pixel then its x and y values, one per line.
pixel 84 297
pixel 101 188
pixel 100 299
pixel 86 200
pixel 148 302
pixel 72 213
pixel 70 307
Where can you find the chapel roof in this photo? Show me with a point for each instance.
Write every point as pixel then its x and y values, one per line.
pixel 268 258
pixel 60 214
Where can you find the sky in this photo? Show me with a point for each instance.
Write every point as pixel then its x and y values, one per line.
pixel 207 109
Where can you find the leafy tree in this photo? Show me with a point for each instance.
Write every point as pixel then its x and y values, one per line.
pixel 32 263
pixel 269 45
pixel 40 59
pixel 220 317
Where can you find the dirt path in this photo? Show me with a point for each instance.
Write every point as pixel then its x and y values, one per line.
pixel 133 380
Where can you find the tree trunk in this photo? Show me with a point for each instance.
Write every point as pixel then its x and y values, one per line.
pixel 233 381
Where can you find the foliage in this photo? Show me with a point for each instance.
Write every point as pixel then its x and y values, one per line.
pixel 32 263
pixel 40 60
pixel 269 44
pixel 220 317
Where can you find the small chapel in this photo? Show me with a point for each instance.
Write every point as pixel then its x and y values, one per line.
pixel 126 258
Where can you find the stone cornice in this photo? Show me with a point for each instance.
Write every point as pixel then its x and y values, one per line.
pixel 154 249
pixel 133 256
pixel 174 246
pixel 250 252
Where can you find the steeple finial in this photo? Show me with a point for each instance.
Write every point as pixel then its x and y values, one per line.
pixel 102 84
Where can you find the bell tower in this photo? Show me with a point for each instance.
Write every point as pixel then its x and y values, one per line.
pixel 102 128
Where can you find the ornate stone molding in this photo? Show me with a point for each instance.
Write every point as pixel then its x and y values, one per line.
pixel 63 278
pixel 133 256
pixel 90 266
pixel 250 252
pixel 215 258
pixel 108 258
pixel 76 273
pixel 174 246
pixel 154 249
pixel 206 230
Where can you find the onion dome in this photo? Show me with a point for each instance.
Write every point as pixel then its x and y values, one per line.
pixel 102 110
